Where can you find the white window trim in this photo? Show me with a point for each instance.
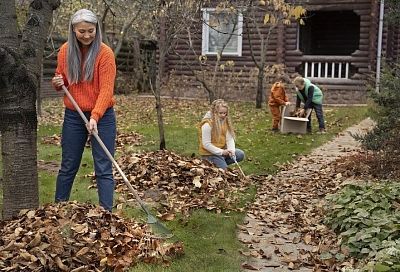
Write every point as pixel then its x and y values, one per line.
pixel 205 35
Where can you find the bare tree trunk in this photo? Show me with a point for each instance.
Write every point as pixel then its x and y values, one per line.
pixel 137 63
pixel 19 148
pixel 18 128
pixel 160 75
pixel 260 64
pixel 19 80
pixel 260 76
pixel 260 88
pixel 160 122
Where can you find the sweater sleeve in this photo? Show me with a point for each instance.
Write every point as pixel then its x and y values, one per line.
pixel 309 98
pixel 206 140
pixel 107 73
pixel 230 142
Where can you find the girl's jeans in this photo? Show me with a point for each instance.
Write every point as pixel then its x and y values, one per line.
pixel 223 162
pixel 74 137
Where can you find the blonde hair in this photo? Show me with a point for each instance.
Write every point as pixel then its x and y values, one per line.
pixel 216 124
pixel 299 80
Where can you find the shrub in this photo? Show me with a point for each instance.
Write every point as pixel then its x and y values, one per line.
pixel 387 111
pixel 366 216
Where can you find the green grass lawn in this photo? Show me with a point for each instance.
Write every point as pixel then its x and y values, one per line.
pixel 209 238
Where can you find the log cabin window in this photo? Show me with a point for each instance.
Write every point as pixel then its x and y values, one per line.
pixel 222 31
pixel 330 33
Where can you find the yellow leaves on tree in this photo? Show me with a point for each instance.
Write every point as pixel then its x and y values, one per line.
pixel 280 11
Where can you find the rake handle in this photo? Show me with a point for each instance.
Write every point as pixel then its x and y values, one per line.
pixel 96 135
pixel 237 164
pixel 240 169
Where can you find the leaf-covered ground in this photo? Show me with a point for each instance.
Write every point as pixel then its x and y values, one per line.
pixel 285 229
pixel 208 236
pixel 252 126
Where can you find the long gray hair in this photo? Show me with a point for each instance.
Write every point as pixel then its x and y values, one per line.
pixel 74 57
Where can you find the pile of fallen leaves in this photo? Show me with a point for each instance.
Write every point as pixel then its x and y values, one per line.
pixel 78 237
pixel 383 164
pixel 180 183
pixel 356 166
pixel 123 140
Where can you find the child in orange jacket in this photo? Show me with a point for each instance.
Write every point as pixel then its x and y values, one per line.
pixel 277 98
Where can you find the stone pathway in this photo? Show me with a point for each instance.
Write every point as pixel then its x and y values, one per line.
pixel 272 247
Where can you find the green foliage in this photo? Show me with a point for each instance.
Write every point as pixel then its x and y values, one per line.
pixel 392 13
pixel 387 110
pixel 367 218
pixel 21 10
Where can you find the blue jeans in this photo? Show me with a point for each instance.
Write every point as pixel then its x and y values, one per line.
pixel 223 162
pixel 74 136
pixel 320 116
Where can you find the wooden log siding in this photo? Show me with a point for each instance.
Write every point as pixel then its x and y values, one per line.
pixel 284 48
pixel 243 67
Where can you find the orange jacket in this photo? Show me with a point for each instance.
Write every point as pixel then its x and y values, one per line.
pixel 97 95
pixel 278 95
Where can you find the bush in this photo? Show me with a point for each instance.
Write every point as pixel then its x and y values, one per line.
pixel 387 111
pixel 367 217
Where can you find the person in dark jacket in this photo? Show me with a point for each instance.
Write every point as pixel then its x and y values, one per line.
pixel 311 96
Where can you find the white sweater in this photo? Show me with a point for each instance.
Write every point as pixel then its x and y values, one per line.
pixel 206 139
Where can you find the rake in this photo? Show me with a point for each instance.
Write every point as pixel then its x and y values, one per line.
pixel 237 164
pixel 155 224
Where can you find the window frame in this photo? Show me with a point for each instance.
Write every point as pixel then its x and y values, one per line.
pixel 206 34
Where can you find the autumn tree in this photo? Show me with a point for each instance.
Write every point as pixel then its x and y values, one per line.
pixel 21 61
pixel 224 21
pixel 262 19
pixel 117 18
pixel 169 18
pixel 214 71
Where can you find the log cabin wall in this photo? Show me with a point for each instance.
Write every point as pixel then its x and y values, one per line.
pixel 361 61
pixel 356 65
pixel 237 81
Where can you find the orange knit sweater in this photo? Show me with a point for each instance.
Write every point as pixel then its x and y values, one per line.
pixel 97 95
